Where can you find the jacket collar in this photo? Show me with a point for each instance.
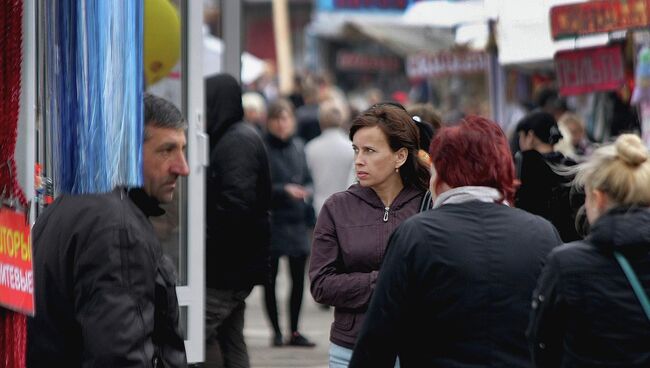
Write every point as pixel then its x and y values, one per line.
pixel 622 227
pixel 148 205
pixel 369 196
pixel 276 142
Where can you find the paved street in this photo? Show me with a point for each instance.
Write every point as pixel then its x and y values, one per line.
pixel 315 323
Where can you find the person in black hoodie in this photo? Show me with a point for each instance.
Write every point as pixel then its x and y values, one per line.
pixel 544 189
pixel 237 217
pixel 585 311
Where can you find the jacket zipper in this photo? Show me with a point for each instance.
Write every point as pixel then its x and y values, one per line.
pixel 386 214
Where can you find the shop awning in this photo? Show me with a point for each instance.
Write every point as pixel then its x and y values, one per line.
pixel 524 34
pixel 388 30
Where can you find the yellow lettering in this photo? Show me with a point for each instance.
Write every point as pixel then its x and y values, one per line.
pixel 16 244
pixel 2 239
pixel 26 248
pixel 9 239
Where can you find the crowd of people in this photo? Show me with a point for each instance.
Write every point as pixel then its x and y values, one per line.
pixel 437 243
pixel 412 226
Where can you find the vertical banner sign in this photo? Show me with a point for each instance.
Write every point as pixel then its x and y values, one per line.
pixel 16 275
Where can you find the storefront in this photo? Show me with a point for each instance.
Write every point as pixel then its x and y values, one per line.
pixel 602 74
pixel 454 81
pixel 181 231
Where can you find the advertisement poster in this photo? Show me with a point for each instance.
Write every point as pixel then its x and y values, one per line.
pixel 16 272
pixel 590 70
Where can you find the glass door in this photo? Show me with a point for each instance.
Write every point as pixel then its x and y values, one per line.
pixel 181 229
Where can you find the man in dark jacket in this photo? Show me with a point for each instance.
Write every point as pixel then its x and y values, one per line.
pixel 105 294
pixel 238 230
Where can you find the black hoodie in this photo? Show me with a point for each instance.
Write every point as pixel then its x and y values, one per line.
pixel 238 192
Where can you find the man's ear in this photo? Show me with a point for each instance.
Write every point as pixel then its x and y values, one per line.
pixel 402 154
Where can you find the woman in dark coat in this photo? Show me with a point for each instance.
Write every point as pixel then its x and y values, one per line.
pixel 291 182
pixel 454 288
pixel 353 227
pixel 585 312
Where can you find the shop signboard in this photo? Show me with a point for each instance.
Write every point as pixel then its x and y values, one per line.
pixel 358 61
pixel 589 70
pixel 425 65
pixel 599 16
pixel 365 5
pixel 16 275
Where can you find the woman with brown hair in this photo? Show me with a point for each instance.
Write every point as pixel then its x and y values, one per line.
pixel 353 226
pixel 291 189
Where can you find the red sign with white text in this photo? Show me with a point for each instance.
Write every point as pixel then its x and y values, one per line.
pixel 589 70
pixel 16 272
pixel 602 16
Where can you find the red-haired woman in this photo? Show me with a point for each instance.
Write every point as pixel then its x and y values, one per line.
pixel 462 274
pixel 353 226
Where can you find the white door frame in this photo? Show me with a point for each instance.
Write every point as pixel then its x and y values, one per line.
pixel 192 295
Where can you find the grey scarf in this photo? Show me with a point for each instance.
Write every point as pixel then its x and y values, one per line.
pixel 469 193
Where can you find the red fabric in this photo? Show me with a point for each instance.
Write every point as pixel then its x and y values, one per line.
pixel 13 330
pixel 11 13
pixel 13 339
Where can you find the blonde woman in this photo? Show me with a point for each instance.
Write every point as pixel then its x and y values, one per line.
pixel 585 310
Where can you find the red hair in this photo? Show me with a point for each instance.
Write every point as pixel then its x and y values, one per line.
pixel 474 153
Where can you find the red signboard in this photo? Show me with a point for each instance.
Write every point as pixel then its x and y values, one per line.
pixel 445 63
pixel 16 275
pixel 598 17
pixel 357 61
pixel 590 70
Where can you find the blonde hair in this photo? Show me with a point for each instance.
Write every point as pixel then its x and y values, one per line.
pixel 564 145
pixel 330 114
pixel 621 170
pixel 569 118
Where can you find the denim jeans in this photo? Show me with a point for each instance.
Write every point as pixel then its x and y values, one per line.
pixel 340 357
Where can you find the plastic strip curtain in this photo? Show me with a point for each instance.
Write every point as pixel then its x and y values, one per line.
pixel 94 82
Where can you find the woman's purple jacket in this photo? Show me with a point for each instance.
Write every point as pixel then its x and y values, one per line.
pixel 350 240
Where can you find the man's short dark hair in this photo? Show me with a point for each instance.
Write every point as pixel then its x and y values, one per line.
pixel 161 113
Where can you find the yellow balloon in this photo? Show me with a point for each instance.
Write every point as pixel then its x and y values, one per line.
pixel 162 39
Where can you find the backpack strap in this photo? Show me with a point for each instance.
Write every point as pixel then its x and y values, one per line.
pixel 634 281
pixel 426 203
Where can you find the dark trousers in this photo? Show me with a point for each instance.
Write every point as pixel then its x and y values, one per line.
pixel 297 271
pixel 225 346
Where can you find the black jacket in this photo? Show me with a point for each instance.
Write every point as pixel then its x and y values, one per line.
pixel 454 289
pixel 238 192
pixel 290 217
pixel 105 294
pixel 585 312
pixel 545 193
pixel 308 126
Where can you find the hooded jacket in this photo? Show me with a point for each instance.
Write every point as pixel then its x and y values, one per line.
pixel 238 192
pixel 350 240
pixel 585 313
